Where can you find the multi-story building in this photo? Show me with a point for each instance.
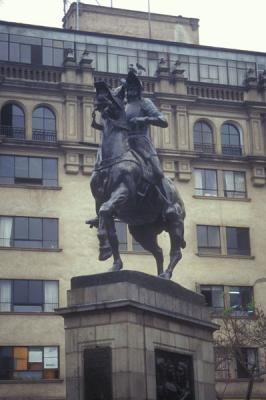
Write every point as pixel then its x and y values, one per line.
pixel 214 150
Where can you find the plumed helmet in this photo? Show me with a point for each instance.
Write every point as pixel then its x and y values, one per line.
pixel 133 80
pixel 104 92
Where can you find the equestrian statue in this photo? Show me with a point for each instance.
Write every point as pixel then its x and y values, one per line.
pixel 127 182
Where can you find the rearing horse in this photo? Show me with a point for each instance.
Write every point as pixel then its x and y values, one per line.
pixel 122 190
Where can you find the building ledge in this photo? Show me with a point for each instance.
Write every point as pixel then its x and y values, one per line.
pixel 244 199
pixel 237 257
pixel 41 187
pixel 16 313
pixel 30 381
pixel 31 249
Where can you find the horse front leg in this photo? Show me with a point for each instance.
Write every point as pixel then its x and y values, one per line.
pixel 176 240
pixel 106 214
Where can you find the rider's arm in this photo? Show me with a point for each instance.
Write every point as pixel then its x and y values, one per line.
pixel 95 124
pixel 152 115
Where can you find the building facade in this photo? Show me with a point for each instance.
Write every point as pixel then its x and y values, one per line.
pixel 214 149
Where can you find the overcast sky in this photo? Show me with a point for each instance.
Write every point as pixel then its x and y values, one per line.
pixel 238 24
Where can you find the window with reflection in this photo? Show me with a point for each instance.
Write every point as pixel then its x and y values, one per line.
pixel 43 125
pixel 234 184
pixel 208 238
pixel 29 232
pixel 203 137
pixel 231 140
pixel 12 121
pixel 22 295
pixel 205 182
pixel 126 241
pixel 29 362
pixel 237 241
pixel 28 170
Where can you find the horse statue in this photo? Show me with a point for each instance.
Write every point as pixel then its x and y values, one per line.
pixel 123 189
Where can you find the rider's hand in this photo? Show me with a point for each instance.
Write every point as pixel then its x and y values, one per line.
pixel 139 121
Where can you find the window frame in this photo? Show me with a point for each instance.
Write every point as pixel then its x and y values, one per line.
pixel 209 249
pixel 12 130
pixel 234 192
pixel 14 370
pixel 43 304
pixel 205 190
pixel 17 180
pixel 42 134
pixel 239 251
pixel 242 311
pixel 229 148
pixel 203 129
pixel 12 239
pixel 130 244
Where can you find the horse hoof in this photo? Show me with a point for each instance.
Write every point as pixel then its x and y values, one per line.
pixel 116 266
pixel 166 275
pixel 105 253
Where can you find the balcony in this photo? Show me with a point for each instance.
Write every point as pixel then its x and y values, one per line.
pixel 40 135
pixel 207 148
pixel 232 150
pixel 12 132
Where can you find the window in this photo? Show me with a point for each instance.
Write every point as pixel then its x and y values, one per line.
pixel 246 362
pixel 203 138
pixel 28 363
pixel 21 295
pixel 214 296
pixel 222 364
pixel 239 299
pixel 237 241
pixel 205 182
pixel 31 170
pixel 231 142
pixel 126 241
pixel 234 184
pixel 12 121
pixel 223 240
pixel 29 232
pixel 208 238
pixel 43 125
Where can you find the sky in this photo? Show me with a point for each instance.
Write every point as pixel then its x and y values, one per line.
pixel 237 24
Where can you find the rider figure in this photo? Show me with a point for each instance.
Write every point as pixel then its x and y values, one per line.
pixel 141 113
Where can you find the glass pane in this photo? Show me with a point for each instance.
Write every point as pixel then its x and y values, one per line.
pixel 35 292
pixel 4 51
pixel 202 236
pixel 50 358
pixel 7 166
pixel 25 53
pixel 21 167
pixel 6 225
pixel 5 295
pixel 35 228
pixel 58 57
pixel 35 355
pixel 14 52
pixel 21 228
pixel 121 231
pixel 20 291
pixel 35 167
pixel 50 295
pixel 214 236
pixel 218 296
pixel 50 233
pixel 50 168
pixel 47 55
pixel 38 112
pixel 231 240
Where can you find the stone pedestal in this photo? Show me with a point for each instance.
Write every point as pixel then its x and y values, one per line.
pixel 132 336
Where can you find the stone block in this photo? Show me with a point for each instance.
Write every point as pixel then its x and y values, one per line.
pixel 102 318
pixel 87 334
pixel 147 296
pixel 135 336
pixel 133 292
pixel 115 332
pixel 136 362
pixel 71 340
pixel 73 385
pixel 90 296
pixel 120 360
pixel 137 386
pixel 115 291
pixel 72 322
pixel 150 361
pixel 151 387
pixel 72 365
pixel 121 385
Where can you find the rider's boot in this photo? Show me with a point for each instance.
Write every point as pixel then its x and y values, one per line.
pixel 105 250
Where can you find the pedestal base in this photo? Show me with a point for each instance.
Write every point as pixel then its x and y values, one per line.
pixel 132 336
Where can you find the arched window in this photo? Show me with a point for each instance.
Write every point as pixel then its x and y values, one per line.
pixel 203 137
pixel 12 121
pixel 43 125
pixel 231 141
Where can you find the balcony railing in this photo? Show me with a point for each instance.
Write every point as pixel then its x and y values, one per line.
pixel 29 72
pixel 208 148
pixel 41 135
pixel 216 92
pixel 232 150
pixel 12 132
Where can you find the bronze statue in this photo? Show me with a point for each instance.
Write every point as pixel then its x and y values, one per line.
pixel 127 182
